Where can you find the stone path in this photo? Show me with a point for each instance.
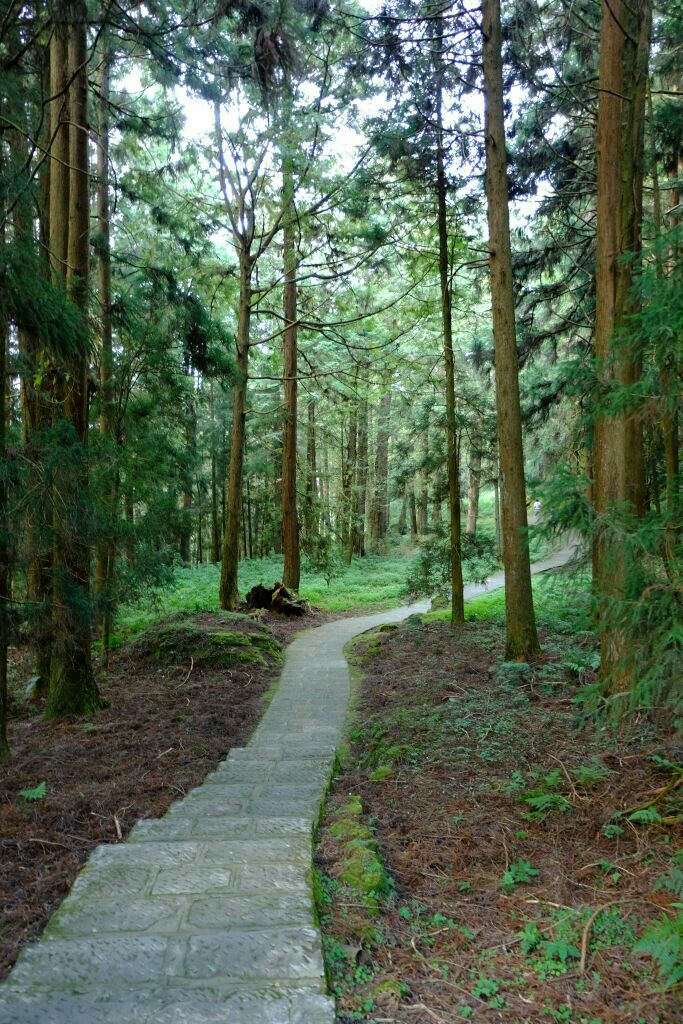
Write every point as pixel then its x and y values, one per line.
pixel 205 916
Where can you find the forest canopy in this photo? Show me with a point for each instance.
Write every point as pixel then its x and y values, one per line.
pixel 310 280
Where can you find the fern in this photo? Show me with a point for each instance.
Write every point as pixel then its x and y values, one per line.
pixel 663 941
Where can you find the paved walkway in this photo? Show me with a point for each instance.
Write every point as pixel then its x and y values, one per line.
pixel 205 916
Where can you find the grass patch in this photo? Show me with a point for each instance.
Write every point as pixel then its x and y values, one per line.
pixel 376 581
pixel 561 602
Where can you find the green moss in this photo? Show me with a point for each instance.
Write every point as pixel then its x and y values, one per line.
pixel 381 774
pixel 361 867
pixel 179 639
pixel 363 871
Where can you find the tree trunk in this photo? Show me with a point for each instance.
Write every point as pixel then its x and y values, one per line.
pixel 73 689
pixel 36 411
pixel 229 596
pixel 312 498
pixel 215 532
pixel 351 478
pixel 521 637
pixel 457 600
pixel 379 510
pixel 496 512
pixel 106 548
pixel 5 589
pixel 423 493
pixel 617 454
pixel 413 513
pixel 473 493
pixel 361 485
pixel 290 520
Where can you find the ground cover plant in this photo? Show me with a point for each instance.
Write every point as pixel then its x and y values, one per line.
pixel 178 697
pixel 528 857
pixel 375 582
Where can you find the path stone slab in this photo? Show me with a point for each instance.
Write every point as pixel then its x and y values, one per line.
pixel 205 916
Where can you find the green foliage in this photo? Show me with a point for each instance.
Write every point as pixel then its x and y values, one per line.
pixel 37 793
pixel 431 573
pixel 663 941
pixel 518 873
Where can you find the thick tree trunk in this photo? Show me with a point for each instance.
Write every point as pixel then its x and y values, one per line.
pixel 229 596
pixel 457 600
pixel 521 637
pixel 290 519
pixel 473 493
pixel 73 689
pixel 617 453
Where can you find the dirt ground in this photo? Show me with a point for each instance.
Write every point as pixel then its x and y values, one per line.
pixel 516 882
pixel 166 724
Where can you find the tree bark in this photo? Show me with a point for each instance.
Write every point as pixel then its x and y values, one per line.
pixel 361 481
pixel 617 452
pixel 312 497
pixel 351 477
pixel 73 689
pixel 521 637
pixel 5 589
pixel 106 548
pixel 228 595
pixel 473 493
pixel 457 600
pixel 290 520
pixel 379 510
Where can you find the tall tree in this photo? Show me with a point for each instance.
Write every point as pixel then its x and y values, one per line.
pixel 72 683
pixel 618 450
pixel 521 637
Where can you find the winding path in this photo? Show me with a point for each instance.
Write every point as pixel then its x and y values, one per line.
pixel 205 916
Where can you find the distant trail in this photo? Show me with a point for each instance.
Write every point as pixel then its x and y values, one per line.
pixel 206 915
pixel 554 561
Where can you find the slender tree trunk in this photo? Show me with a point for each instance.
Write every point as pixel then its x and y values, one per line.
pixel 617 456
pixel 185 546
pixel 351 478
pixel 106 548
pixel 473 493
pixel 229 596
pixel 361 488
pixel 379 509
pixel 413 513
pixel 521 639
pixel 457 600
pixel 403 514
pixel 250 532
pixel 312 498
pixel 423 493
pixel 327 499
pixel 290 519
pixel 215 532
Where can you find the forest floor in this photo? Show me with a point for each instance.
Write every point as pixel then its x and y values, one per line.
pixel 486 854
pixel 176 699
